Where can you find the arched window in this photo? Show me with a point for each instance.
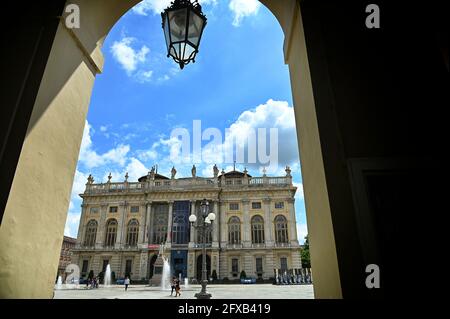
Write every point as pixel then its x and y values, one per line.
pixel 132 232
pixel 111 233
pixel 234 230
pixel 91 233
pixel 281 233
pixel 257 230
pixel 159 231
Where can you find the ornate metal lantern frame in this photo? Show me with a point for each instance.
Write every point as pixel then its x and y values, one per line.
pixel 183 24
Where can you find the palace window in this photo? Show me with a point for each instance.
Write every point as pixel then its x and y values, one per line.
pixel 257 230
pixel 113 209
pixel 259 265
pixel 128 264
pixel 234 230
pixel 94 210
pixel 84 268
pixel 235 266
pixel 180 223
pixel 91 234
pixel 234 206
pixel 256 205
pixel 281 234
pixel 160 221
pixel 111 233
pixel 279 205
pixel 283 264
pixel 208 239
pixel 134 209
pixel 132 232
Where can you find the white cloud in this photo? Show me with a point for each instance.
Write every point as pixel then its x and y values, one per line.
pixel 91 158
pixel 302 231
pixel 127 56
pixel 144 76
pixel 103 128
pixel 299 194
pixel 72 222
pixel 242 9
pixel 158 6
pixel 135 169
pixel 272 114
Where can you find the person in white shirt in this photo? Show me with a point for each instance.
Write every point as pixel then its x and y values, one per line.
pixel 127 282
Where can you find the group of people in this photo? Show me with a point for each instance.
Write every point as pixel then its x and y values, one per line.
pixel 175 286
pixel 92 283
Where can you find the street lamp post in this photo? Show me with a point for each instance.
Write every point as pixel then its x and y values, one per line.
pixel 205 225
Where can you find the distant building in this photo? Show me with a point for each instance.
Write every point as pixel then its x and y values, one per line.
pixel 65 257
pixel 123 224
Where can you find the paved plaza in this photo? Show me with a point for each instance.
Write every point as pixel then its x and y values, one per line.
pixel 259 291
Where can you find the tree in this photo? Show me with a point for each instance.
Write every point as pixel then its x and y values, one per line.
pixel 304 253
pixel 91 274
pixel 243 274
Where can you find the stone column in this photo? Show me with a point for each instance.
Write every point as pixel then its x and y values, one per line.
pixel 192 231
pixel 293 240
pixel 223 224
pixel 169 225
pixel 246 224
pixel 215 225
pixel 143 231
pixel 151 220
pixel 101 226
pixel 121 230
pixel 81 226
pixel 268 223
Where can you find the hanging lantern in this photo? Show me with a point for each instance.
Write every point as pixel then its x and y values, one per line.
pixel 183 24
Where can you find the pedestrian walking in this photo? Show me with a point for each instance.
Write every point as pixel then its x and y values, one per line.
pixel 177 288
pixel 126 282
pixel 172 285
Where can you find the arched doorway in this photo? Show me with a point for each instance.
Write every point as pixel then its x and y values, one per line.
pixel 199 267
pixel 63 97
pixel 150 266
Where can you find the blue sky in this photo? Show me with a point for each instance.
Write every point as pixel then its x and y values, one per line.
pixel 239 82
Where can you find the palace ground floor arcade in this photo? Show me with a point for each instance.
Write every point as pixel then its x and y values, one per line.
pixel 226 264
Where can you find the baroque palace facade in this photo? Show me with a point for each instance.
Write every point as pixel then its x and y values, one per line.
pixel 124 224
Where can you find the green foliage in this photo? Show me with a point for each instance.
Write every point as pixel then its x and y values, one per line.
pixel 304 253
pixel 243 274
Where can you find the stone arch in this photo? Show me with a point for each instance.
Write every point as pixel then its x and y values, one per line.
pixel 56 128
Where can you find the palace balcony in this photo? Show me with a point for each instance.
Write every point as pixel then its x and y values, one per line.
pixel 187 183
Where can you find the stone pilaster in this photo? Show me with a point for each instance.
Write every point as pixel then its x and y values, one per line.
pixel 192 231
pixel 246 236
pixel 143 264
pixel 101 226
pixel 223 224
pixel 268 223
pixel 169 225
pixel 215 225
pixel 143 231
pixel 292 223
pixel 121 230
pixel 81 226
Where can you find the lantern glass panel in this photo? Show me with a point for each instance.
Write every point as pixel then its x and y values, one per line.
pixel 195 28
pixel 166 31
pixel 177 20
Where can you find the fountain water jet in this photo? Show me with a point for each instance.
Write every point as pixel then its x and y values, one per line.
pixel 165 280
pixel 107 278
